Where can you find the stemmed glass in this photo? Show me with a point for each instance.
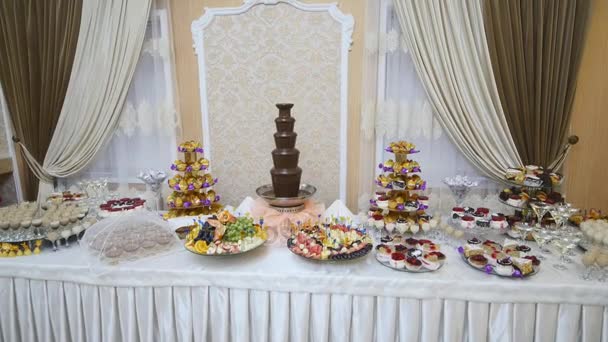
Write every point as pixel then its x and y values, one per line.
pixel 564 244
pixel 540 209
pixel 524 229
pixel 541 236
pixel 460 186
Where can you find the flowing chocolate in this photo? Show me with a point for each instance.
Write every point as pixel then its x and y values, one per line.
pixel 285 174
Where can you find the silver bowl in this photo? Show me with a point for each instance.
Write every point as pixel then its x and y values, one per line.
pixel 267 193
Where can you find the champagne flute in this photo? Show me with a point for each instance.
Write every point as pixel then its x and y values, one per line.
pixel 540 209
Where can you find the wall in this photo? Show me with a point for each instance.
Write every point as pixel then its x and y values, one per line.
pixel 183 12
pixel 588 160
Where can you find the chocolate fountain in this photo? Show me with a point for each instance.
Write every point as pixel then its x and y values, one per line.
pixel 285 173
pixel 286 191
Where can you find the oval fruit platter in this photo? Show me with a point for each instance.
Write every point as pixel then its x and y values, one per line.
pixel 225 234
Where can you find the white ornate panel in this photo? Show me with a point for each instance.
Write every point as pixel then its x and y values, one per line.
pixel 266 52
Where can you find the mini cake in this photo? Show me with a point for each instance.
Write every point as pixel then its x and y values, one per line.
pixel 504 267
pixel 382 202
pixel 379 221
pixel 498 222
pixel 484 211
pixel 121 207
pixel 471 250
pixel 379 194
pixel 483 223
pixel 457 212
pixel 424 200
pixel 535 261
pixel 532 180
pixel 478 260
pixel 400 248
pixel 523 250
pixel 523 265
pixel 514 200
pixel 469 210
pixel 402 225
pixel 384 252
pixel 474 241
pixel 508 243
pixel 467 222
pixel 397 260
pixel 413 264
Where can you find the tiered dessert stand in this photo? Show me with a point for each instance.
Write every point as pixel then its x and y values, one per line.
pixel 399 182
pixel 193 192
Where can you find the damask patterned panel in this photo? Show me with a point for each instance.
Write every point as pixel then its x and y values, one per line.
pixel 266 55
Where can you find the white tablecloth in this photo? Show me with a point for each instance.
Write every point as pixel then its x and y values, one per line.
pixel 271 294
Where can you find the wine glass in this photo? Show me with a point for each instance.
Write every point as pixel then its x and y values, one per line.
pixel 541 236
pixel 540 209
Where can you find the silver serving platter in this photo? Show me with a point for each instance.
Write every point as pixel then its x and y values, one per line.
pixel 466 260
pixel 267 193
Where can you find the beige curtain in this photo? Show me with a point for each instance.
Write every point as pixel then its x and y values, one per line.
pixel 536 48
pixel 109 44
pixel 37 46
pixel 448 45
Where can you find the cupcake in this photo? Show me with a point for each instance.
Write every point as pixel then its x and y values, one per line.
pixel 390 226
pixel 512 173
pixel 413 264
pixel 478 260
pixel 397 260
pixel 382 202
pixel 504 267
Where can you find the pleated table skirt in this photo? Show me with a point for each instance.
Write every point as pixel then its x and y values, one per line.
pixel 44 310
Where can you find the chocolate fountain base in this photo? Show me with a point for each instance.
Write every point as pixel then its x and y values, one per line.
pixel 286 204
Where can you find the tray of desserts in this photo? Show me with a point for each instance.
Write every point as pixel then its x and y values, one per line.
pixel 225 234
pixel 509 260
pixel 401 148
pixel 532 176
pixel 410 255
pixel 330 242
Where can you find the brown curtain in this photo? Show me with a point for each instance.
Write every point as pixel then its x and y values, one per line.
pixel 536 48
pixel 37 45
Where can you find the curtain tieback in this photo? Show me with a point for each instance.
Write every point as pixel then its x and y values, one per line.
pixel 561 157
pixel 34 165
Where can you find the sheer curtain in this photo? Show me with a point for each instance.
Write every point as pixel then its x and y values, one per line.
pixel 395 107
pixel 149 125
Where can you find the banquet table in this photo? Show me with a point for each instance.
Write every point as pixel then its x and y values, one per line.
pixel 270 294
